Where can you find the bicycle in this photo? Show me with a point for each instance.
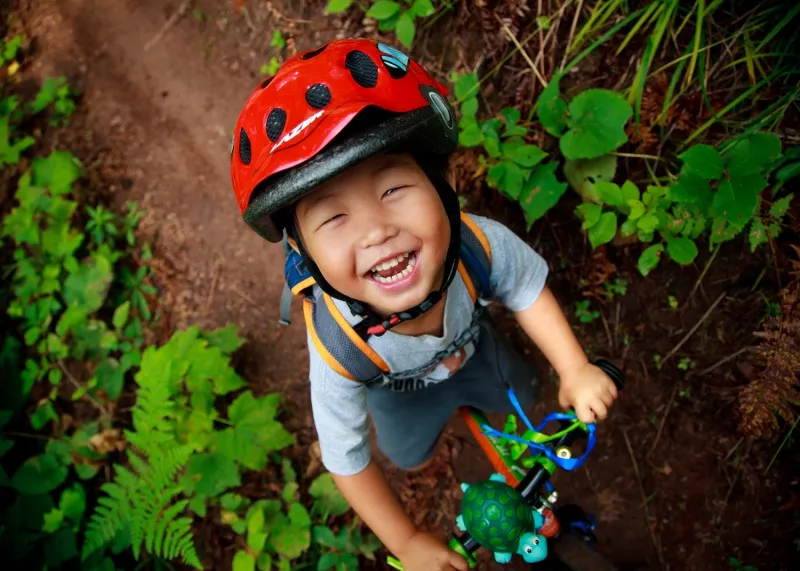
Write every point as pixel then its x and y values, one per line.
pixel 560 538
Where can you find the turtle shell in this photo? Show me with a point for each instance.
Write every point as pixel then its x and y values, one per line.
pixel 496 515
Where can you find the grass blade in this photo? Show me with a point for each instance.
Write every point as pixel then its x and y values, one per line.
pixel 701 9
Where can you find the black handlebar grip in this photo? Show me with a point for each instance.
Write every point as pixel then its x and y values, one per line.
pixel 612 371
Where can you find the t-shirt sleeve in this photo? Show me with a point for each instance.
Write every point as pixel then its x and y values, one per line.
pixel 519 273
pixel 339 406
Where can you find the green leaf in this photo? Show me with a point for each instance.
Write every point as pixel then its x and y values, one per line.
pixel 423 8
pixel 256 534
pixel 583 174
pixel 86 471
pixel 691 188
pixel 337 6
pixel 703 161
pixel 406 30
pixel 736 199
pixel 630 191
pixel 512 180
pixel 647 223
pixel 637 209
pixel 757 235
pixel 88 287
pixel 73 502
pixel 290 541
pixel 212 473
pixel 60 546
pixel 589 213
pixel 277 40
pixel 527 155
pixel 264 562
pixel 511 115
pixel 552 109
pixel 471 136
pixel 749 156
pixel 327 561
pixel 121 315
pixel 541 192
pixel 39 475
pixel 44 413
pixel 682 250
pixel 788 172
pixel 628 228
pixel 604 231
pixel 466 85
pixel 243 561
pixel 52 520
pixel 383 9
pixel 469 108
pixel 491 143
pixel 323 535
pixel 609 193
pixel 780 207
pixel 198 505
pixel 328 499
pixel 597 119
pixel 58 171
pixel 650 258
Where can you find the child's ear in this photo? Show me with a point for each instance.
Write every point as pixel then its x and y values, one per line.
pixel 293 244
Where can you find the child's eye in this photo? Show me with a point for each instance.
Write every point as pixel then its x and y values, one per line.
pixel 392 190
pixel 331 219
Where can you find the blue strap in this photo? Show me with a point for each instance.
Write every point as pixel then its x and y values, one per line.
pixel 477 269
pixel 518 407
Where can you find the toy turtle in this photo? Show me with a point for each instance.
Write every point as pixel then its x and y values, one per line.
pixel 497 516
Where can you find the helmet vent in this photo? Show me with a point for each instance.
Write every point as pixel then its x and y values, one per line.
pixel 267 81
pixel 276 120
pixel 245 152
pixel 313 53
pixel 318 95
pixel 362 68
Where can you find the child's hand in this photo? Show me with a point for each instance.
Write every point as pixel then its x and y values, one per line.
pixel 589 391
pixel 425 552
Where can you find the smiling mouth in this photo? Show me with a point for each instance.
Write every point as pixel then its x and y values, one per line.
pixel 394 269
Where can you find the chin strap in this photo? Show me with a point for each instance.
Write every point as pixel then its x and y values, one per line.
pixel 374 325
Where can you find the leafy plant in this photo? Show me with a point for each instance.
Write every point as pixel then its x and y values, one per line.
pixel 618 287
pixel 584 313
pixel 272 67
pixel 399 17
pixel 58 93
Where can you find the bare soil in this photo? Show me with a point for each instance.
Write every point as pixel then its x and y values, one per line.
pixel 672 483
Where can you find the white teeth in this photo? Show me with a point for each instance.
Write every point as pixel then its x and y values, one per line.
pixel 389 264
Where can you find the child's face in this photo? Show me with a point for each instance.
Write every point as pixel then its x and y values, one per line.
pixel 378 233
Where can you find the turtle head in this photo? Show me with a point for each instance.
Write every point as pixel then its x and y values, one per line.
pixel 532 547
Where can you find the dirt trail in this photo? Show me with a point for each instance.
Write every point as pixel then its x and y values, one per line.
pixel 171 110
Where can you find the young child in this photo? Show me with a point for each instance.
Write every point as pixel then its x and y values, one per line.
pixel 345 152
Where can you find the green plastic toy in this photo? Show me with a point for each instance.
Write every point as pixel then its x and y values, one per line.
pixel 497 516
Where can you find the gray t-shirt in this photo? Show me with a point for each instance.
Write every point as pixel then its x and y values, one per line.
pixel 340 405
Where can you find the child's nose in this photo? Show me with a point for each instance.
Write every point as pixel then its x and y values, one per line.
pixel 376 228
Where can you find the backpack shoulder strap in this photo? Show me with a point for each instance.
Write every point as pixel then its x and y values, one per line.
pixel 475 266
pixel 338 343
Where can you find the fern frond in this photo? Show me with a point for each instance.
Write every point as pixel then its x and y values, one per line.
pixel 108 518
pixel 179 542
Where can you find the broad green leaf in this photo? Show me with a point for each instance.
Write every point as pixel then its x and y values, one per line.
pixel 703 161
pixel 649 258
pixel 264 562
pixel 423 8
pixel 541 192
pixel 682 250
pixel 466 85
pixel 232 501
pixel 86 471
pixel 59 547
pixel 337 6
pixel 52 520
pixel 589 213
pixel 87 288
pixel 290 541
pixel 604 231
pixel 491 143
pixel 512 181
pixel 691 188
pixel 628 228
pixel 121 315
pixel 597 119
pixel 323 535
pixel 328 500
pixel 780 207
pixel 757 235
pixel 788 172
pixel 383 9
pixel 723 230
pixel 347 562
pixel 637 209
pixel 583 174
pixel 45 412
pixel 737 201
pixel 212 473
pixel 58 171
pixel 198 505
pixel 327 561
pixel 469 108
pixel 511 115
pixel 110 378
pixel 609 193
pixel 552 109
pixel 647 223
pixel 73 502
pixel 749 156
pixel 527 155
pixel 406 30
pixel 471 136
pixel 39 475
pixel 496 174
pixel 243 561
pixel 630 191
pixel 256 533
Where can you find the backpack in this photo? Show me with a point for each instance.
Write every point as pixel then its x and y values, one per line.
pixel 336 340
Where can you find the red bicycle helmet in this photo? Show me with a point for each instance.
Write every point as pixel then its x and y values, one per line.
pixel 286 135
